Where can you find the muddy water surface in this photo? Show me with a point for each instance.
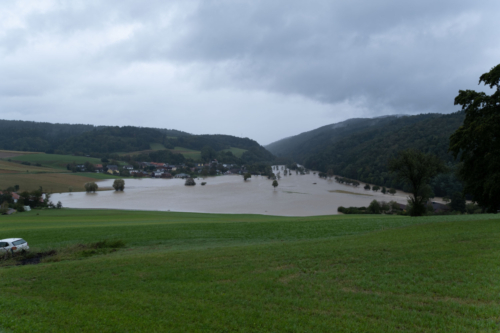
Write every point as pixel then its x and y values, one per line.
pixel 295 196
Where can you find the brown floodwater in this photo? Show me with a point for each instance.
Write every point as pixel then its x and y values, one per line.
pixel 296 195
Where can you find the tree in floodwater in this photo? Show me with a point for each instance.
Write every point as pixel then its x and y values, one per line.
pixel 91 187
pixel 119 184
pixel 275 184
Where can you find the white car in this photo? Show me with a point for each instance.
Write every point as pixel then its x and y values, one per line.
pixel 13 245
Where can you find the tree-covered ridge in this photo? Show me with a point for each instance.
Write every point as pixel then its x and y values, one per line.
pixel 300 146
pixel 105 140
pixel 112 140
pixel 35 136
pixel 364 156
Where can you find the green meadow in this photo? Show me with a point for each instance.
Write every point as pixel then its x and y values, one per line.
pixel 54 160
pixel 188 153
pixel 156 146
pixel 236 151
pixel 187 272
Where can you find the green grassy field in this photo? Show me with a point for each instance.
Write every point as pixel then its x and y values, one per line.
pixel 51 182
pixel 188 153
pixel 54 160
pixel 156 146
pixel 12 167
pixel 186 272
pixel 236 151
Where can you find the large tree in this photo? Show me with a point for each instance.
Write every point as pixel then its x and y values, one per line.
pixel 416 169
pixel 477 142
pixel 119 184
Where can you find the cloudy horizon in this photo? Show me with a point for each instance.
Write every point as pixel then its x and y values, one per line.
pixel 259 69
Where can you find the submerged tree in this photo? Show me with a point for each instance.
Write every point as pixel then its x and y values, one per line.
pixel 246 176
pixel 119 184
pixel 91 187
pixel 477 142
pixel 416 169
pixel 275 183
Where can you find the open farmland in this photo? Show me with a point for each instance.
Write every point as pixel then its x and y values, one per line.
pixel 12 153
pixel 157 146
pixel 247 273
pixel 56 161
pixel 11 167
pixel 51 182
pixel 188 153
pixel 236 151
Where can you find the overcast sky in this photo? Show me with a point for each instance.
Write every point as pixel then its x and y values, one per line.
pixel 264 69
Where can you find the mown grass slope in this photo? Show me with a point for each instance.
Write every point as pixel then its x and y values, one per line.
pixel 156 146
pixel 50 182
pixel 236 151
pixel 187 153
pixel 54 160
pixel 185 272
pixel 11 167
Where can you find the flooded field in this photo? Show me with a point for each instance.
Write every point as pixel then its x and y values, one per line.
pixel 296 195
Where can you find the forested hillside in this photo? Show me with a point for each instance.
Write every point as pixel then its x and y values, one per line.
pixel 364 155
pixel 105 140
pixel 33 136
pixel 299 147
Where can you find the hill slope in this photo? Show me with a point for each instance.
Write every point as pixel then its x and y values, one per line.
pixel 102 140
pixel 364 155
pixel 298 147
pixel 361 148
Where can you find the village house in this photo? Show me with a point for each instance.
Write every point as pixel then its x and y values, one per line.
pixel 98 168
pixel 128 167
pixel 112 169
pixel 14 196
pixel 182 175
pixel 157 165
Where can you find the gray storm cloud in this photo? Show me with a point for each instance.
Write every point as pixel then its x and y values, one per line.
pixel 240 66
